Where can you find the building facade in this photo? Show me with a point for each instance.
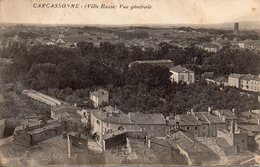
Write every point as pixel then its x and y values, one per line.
pixel 108 119
pixel 201 124
pixel 99 97
pixel 245 82
pixel 179 74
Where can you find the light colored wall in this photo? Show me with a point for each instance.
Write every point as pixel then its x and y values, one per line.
pixel 153 130
pixel 233 82
pixel 174 76
pixel 98 101
pixel 2 128
pixel 188 77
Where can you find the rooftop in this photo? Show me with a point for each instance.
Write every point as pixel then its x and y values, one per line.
pixel 234 75
pixel 114 133
pixel 179 69
pixel 247 77
pixel 184 119
pixel 158 62
pixel 113 115
pixel 198 118
pixel 63 108
pixel 139 118
pixel 188 143
pixel 48 126
pixel 99 93
pixel 209 118
pixel 228 114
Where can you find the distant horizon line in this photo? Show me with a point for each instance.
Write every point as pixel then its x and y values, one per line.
pixel 128 25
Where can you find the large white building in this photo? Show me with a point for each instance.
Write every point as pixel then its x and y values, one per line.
pixel 245 82
pixel 182 74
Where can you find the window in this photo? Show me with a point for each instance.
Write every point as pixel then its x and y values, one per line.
pixel 188 128
pixel 98 122
pixel 196 127
pixel 203 127
pixel 182 77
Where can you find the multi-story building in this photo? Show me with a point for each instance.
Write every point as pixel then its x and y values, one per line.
pixel 99 97
pixel 250 44
pixel 210 47
pixel 201 124
pixel 182 74
pixel 108 119
pixel 245 82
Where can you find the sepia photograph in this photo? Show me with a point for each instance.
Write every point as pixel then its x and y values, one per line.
pixel 129 83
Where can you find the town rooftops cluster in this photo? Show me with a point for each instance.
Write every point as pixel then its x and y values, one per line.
pixel 113 115
pixel 199 118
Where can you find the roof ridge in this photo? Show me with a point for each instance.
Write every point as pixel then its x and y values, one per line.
pixel 187 137
pixel 206 118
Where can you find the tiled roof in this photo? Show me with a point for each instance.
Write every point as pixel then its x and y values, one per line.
pixel 184 119
pixel 234 75
pixel 114 133
pixel 252 128
pixel 139 118
pixel 246 77
pixel 249 118
pixel 208 117
pixel 226 113
pixel 66 112
pixel 46 127
pixel 110 114
pixel 179 69
pixel 188 143
pixel 249 77
pixel 221 79
pixel 213 119
pixel 63 108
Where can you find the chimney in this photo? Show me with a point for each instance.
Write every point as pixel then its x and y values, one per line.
pixel 236 127
pixel 148 142
pixel 192 111
pixel 233 110
pixel 209 109
pixel 231 127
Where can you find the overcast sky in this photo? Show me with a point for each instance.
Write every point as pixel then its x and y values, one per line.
pixel 162 12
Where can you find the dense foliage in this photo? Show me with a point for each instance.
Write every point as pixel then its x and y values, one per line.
pixel 142 88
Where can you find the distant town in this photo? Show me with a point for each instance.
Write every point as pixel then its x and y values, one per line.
pixel 129 95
